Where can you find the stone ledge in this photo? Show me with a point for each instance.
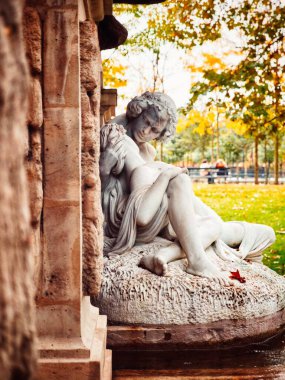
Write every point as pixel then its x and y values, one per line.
pixel 222 333
pixel 62 348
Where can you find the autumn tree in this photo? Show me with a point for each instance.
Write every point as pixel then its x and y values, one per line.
pixel 255 86
pixel 147 42
pixel 252 88
pixel 195 136
pixel 258 103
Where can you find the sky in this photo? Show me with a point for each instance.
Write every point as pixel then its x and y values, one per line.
pixel 177 77
pixel 139 75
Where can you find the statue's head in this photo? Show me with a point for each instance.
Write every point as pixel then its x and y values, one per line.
pixel 151 116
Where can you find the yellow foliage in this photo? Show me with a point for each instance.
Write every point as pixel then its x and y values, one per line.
pixel 113 74
pixel 210 62
pixel 203 122
pixel 213 61
pixel 182 124
pixel 237 125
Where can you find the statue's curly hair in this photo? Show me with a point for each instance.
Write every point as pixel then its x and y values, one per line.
pixel 161 102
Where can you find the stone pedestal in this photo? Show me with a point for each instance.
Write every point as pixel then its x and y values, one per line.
pixel 223 334
pixel 182 311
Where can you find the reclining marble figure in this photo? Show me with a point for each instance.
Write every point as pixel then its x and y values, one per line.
pixel 143 199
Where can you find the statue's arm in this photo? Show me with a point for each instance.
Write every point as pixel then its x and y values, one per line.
pixel 108 160
pixel 112 152
pixel 154 195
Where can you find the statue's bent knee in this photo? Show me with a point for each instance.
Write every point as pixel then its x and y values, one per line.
pixel 180 183
pixel 143 220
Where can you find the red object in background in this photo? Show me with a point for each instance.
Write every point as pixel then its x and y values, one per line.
pixel 236 276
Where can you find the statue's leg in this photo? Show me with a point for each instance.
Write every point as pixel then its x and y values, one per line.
pixel 251 239
pixel 184 222
pixel 157 263
pixel 232 234
pixel 209 231
pixel 237 235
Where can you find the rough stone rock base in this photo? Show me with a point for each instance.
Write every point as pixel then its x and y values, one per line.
pixel 132 295
pixel 62 359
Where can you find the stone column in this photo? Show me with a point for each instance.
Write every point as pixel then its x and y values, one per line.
pixel 60 293
pixel 72 336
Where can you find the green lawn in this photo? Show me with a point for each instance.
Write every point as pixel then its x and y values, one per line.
pixel 259 204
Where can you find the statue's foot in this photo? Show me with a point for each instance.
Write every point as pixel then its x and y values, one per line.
pixel 154 263
pixel 210 270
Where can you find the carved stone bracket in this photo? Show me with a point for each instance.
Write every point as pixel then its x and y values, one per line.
pixel 108 104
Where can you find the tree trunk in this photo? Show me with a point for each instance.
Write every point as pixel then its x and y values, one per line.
pixel 276 159
pixel 265 163
pixel 212 147
pixel 17 322
pixel 218 134
pixel 256 141
pixel 277 87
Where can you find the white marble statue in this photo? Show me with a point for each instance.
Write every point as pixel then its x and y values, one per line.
pixel 143 198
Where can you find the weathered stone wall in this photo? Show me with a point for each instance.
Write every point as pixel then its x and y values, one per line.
pixel 17 324
pixel 90 151
pixel 33 159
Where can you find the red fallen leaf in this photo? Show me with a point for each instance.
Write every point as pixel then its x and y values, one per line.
pixel 236 276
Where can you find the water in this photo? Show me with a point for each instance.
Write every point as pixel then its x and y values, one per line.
pixel 268 354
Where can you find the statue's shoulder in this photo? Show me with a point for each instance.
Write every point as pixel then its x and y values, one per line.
pixel 120 119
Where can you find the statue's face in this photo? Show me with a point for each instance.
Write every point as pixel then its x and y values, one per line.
pixel 148 125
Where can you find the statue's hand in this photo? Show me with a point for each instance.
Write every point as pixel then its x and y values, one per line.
pixel 111 157
pixel 108 159
pixel 173 171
